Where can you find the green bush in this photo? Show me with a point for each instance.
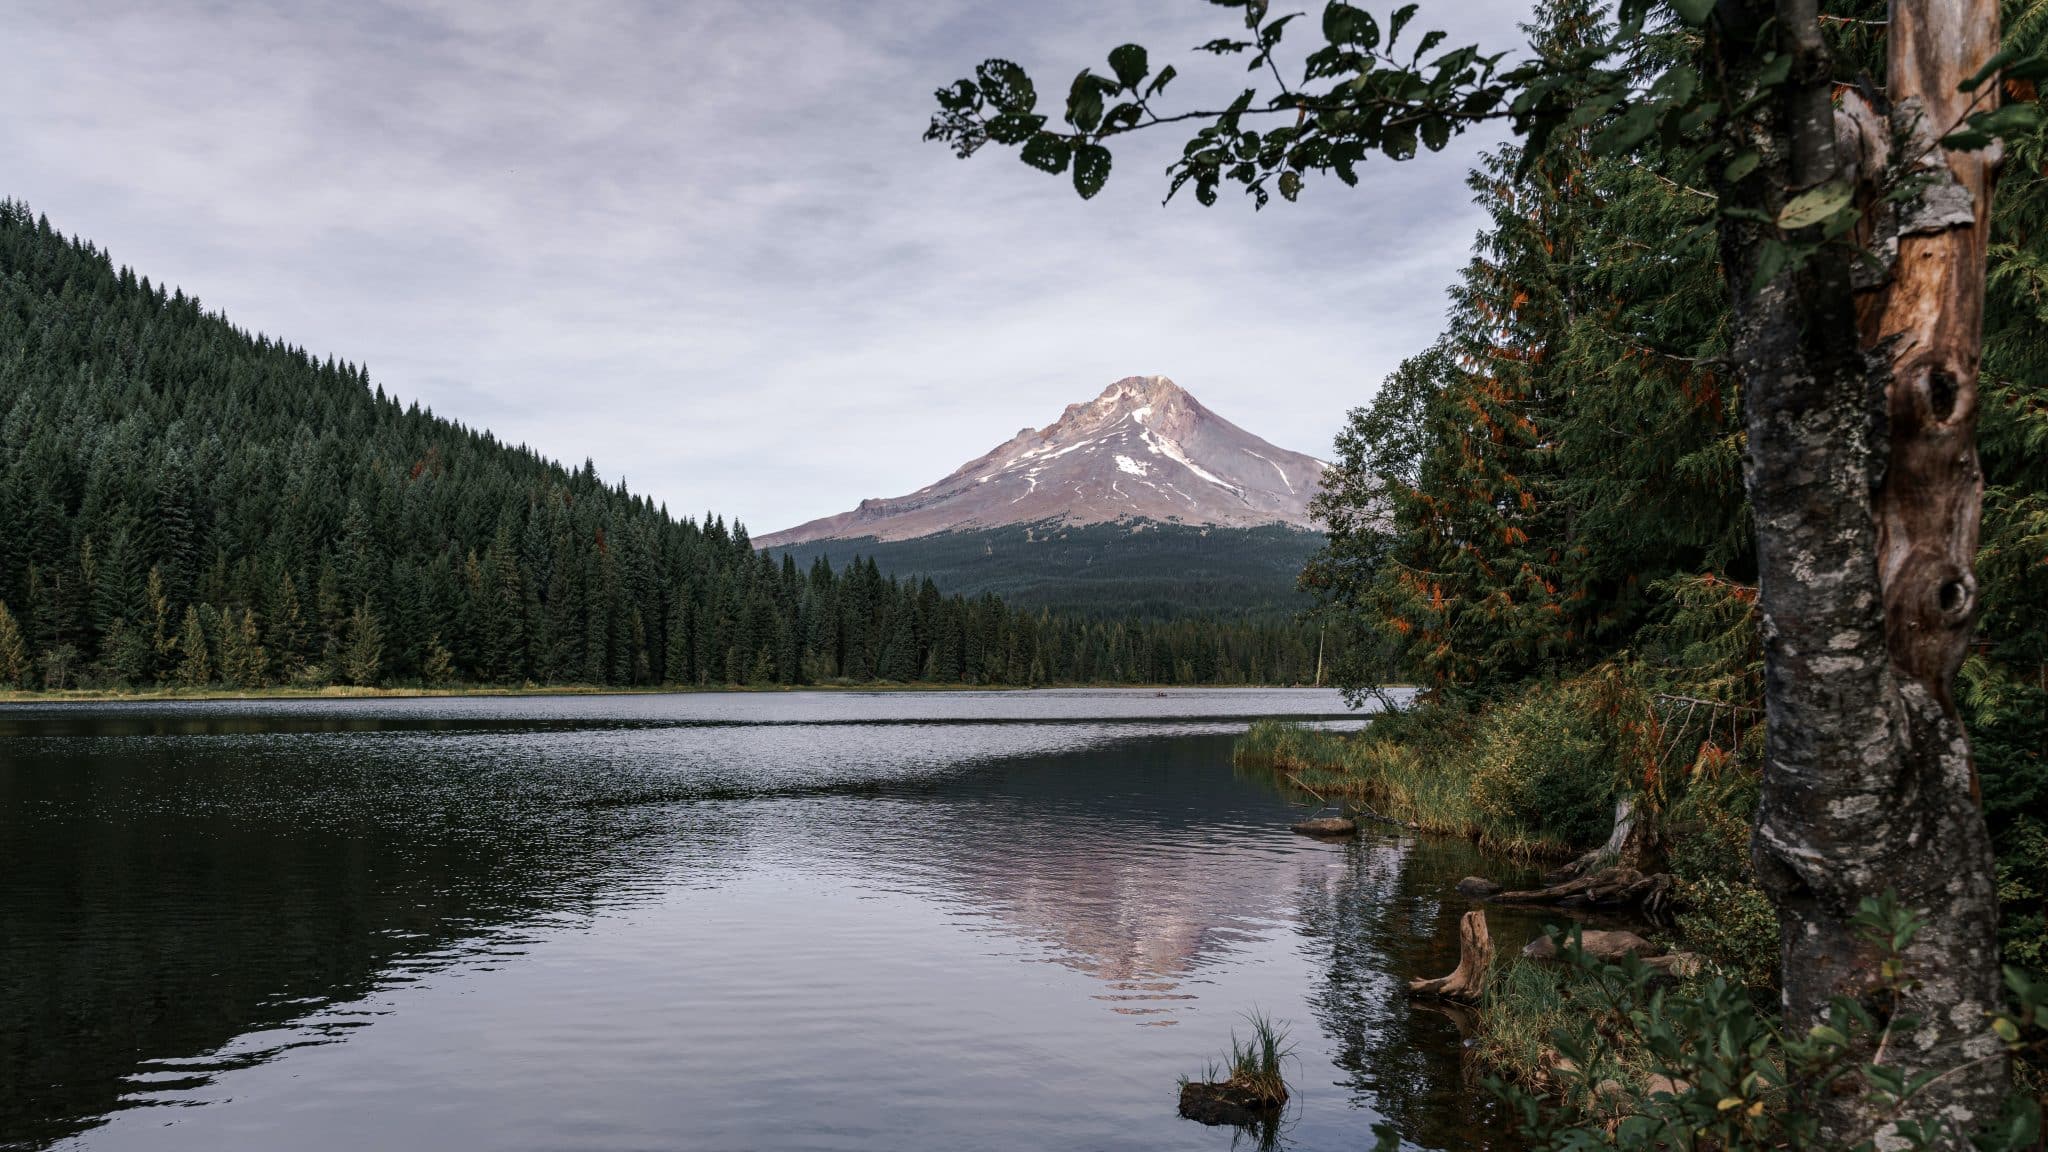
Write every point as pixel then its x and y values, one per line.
pixel 1733 924
pixel 1544 770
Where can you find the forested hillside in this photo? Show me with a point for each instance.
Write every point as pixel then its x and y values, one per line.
pixel 185 503
pixel 1145 569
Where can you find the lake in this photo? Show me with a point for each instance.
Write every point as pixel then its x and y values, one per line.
pixel 861 921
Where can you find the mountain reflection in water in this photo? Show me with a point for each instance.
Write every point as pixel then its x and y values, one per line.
pixel 693 923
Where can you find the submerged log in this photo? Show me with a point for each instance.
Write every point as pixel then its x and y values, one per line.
pixel 1478 887
pixel 1613 888
pixel 1475 959
pixel 1327 826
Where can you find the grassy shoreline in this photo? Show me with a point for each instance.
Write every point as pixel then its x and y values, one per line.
pixel 1397 776
pixel 344 692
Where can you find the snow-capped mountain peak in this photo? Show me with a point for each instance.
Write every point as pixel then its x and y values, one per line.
pixel 1143 449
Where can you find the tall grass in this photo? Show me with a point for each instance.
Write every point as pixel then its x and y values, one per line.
pixel 1444 771
pixel 1254 1069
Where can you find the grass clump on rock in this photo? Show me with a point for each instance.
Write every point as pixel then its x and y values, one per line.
pixel 1254 1091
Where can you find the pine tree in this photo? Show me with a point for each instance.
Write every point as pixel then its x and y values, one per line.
pixel 243 662
pixel 362 653
pixel 285 631
pixel 163 638
pixel 195 666
pixel 14 667
pixel 438 666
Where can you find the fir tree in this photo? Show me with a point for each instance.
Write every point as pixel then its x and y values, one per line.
pixel 243 662
pixel 362 652
pixel 14 667
pixel 438 666
pixel 195 664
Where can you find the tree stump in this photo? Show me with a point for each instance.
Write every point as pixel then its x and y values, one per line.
pixel 1475 960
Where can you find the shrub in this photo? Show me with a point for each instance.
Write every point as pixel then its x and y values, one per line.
pixel 1544 770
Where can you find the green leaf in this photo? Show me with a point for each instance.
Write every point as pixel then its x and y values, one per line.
pixel 1436 132
pixel 1128 61
pixel 1815 205
pixel 1741 166
pixel 1693 12
pixel 1084 102
pixel 1398 21
pixel 1091 168
pixel 1014 127
pixel 1290 187
pixel 1769 263
pixel 1343 24
pixel 1006 86
pixel 1047 152
pixel 1629 129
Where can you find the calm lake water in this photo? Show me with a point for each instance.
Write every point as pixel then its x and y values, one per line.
pixel 889 922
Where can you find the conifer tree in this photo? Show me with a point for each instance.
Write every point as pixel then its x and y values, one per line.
pixel 14 666
pixel 438 666
pixel 362 650
pixel 243 662
pixel 195 663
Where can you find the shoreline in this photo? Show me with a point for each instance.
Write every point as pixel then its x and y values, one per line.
pixel 334 692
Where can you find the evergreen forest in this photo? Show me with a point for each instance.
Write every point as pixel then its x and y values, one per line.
pixel 1103 571
pixel 184 504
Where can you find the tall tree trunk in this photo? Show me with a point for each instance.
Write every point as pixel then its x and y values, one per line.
pixel 1860 408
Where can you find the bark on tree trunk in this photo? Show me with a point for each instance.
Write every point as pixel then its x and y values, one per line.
pixel 1863 477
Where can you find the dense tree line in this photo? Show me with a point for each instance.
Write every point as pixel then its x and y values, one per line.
pixel 185 503
pixel 1553 493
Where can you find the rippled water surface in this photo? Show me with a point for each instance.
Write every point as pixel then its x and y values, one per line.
pixel 895 922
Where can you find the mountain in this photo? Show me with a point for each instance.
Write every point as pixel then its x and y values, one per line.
pixel 1143 450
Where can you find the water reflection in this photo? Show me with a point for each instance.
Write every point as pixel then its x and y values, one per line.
pixel 629 924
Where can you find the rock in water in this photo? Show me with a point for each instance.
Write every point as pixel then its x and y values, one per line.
pixel 1228 1102
pixel 1598 944
pixel 1477 887
pixel 1328 826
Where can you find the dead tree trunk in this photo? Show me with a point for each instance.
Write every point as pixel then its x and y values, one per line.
pixel 1467 982
pixel 1860 397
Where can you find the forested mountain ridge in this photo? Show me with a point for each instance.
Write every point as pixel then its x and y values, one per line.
pixel 185 502
pixel 1132 568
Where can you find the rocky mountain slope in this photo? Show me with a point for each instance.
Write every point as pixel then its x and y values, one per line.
pixel 1143 450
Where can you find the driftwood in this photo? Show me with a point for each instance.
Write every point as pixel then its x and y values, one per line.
pixel 1613 888
pixel 1599 945
pixel 1327 826
pixel 1475 960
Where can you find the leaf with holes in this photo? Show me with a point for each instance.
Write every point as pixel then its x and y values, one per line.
pixel 1091 168
pixel 1815 205
pixel 1128 61
pixel 1047 152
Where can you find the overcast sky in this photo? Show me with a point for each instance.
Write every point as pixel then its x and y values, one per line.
pixel 701 242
